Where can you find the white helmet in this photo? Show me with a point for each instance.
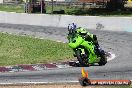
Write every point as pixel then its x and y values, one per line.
pixel 72 28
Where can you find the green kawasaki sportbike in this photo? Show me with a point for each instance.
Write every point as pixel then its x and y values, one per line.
pixel 85 51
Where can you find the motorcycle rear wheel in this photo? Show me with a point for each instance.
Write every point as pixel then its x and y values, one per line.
pixel 103 60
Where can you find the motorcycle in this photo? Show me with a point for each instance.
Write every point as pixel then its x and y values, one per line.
pixel 85 51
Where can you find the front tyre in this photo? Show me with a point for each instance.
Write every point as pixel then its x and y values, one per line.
pixel 82 59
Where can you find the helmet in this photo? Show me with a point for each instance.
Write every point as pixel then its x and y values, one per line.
pixel 72 28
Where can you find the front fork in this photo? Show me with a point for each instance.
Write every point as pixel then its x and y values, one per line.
pixel 82 52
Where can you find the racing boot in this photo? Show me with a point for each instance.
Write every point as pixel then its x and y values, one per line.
pixel 99 51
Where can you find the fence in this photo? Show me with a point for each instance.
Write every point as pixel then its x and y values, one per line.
pixel 89 3
pixel 66 6
pixel 12 1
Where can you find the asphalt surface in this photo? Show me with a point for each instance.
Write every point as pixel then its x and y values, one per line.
pixel 119 43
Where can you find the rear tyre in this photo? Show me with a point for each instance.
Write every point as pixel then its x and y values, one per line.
pixel 82 59
pixel 103 60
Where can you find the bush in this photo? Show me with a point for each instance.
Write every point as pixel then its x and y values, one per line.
pixel 77 12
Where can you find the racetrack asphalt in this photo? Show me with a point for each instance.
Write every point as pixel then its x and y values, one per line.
pixel 119 43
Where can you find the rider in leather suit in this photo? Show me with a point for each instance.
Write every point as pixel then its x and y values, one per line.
pixel 72 28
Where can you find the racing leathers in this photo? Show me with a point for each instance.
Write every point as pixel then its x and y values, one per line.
pixel 88 37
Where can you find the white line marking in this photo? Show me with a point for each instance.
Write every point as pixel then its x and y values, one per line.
pixel 26 83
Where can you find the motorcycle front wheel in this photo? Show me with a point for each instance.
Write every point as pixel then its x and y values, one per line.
pixel 82 58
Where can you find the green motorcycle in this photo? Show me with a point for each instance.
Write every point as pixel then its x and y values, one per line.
pixel 85 51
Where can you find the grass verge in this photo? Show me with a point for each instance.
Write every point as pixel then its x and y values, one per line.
pixel 12 8
pixel 28 50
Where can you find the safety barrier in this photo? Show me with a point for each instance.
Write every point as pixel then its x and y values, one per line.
pixel 90 22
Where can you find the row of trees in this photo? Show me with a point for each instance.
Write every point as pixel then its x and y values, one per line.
pixel 116 4
pixel 110 4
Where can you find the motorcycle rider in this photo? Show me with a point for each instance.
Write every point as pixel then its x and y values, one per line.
pixel 73 30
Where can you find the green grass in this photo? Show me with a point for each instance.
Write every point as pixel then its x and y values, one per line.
pixel 12 8
pixel 66 9
pixel 28 50
pixel 20 8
